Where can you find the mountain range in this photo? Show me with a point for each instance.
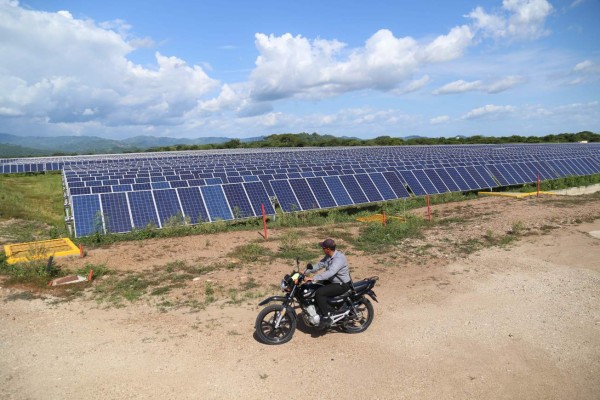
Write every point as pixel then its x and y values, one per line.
pixel 37 146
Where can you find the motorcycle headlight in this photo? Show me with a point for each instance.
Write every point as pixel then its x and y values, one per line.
pixel 283 285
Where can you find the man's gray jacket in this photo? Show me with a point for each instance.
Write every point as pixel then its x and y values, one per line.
pixel 336 269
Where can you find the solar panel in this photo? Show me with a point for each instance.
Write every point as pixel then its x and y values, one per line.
pixel 368 187
pixel 436 180
pixel 338 191
pixel 285 196
pixel 238 200
pixel 321 192
pixel 485 175
pixel 383 186
pixel 497 175
pixel 303 193
pixel 413 183
pixel 458 179
pixel 258 197
pixel 192 204
pixel 216 202
pixel 353 188
pixel 87 215
pixel 447 179
pixel 117 218
pixel 167 205
pixel 396 184
pixel 143 209
pixel 474 172
pixel 425 181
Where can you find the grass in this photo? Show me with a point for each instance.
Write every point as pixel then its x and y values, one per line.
pixel 251 252
pixel 376 237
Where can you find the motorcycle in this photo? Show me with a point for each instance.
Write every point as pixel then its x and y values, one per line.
pixel 352 311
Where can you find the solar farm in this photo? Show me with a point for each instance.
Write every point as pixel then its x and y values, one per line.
pixel 119 193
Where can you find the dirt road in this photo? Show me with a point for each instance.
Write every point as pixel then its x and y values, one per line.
pixel 514 322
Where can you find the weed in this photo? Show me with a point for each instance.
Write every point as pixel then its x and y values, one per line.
pixel 209 292
pixel 26 295
pixel 251 252
pixel 291 247
pixel 378 237
pixel 517 228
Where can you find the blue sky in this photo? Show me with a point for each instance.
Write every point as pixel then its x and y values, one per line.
pixel 348 68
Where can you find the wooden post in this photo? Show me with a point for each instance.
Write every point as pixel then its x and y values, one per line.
pixel 266 235
pixel 428 209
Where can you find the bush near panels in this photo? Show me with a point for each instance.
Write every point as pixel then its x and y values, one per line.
pixel 378 237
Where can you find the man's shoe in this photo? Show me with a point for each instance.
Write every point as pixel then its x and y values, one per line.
pixel 324 323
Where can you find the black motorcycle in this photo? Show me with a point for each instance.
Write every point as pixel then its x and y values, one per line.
pixel 352 311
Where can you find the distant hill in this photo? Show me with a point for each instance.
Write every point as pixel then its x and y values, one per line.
pixel 37 146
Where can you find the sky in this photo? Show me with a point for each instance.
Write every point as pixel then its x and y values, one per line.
pixel 239 69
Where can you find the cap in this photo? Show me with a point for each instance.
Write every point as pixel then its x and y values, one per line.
pixel 327 243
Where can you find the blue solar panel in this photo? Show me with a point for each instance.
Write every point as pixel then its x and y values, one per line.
pixel 396 184
pixel 285 196
pixel 179 184
pixel 258 196
pixel 79 190
pixel 122 188
pixel 339 193
pixel 481 183
pixel 216 203
pixel 161 185
pixel 143 210
pixel 167 204
pixel 485 175
pixel 321 192
pixel 235 179
pixel 87 214
pixel 514 173
pixel 101 189
pixel 525 172
pixel 116 212
pixel 213 181
pixel 265 180
pixel 304 194
pixel 192 204
pixel 436 180
pixel 499 174
pixel 238 200
pixel 413 183
pixel 383 186
pixel 425 181
pixel 141 186
pixel 353 188
pixel 510 173
pixel 368 187
pixel 458 179
pixel 447 179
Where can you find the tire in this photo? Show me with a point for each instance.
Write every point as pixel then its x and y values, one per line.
pixel 359 323
pixel 266 332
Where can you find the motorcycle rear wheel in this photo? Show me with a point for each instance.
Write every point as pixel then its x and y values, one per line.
pixel 265 325
pixel 360 322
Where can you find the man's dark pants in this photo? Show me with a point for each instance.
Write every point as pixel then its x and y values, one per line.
pixel 331 290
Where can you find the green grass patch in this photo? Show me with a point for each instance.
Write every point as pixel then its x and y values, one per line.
pixel 251 252
pixel 375 237
pixel 291 247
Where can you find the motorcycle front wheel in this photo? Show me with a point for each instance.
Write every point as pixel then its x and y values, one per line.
pixel 265 325
pixel 359 321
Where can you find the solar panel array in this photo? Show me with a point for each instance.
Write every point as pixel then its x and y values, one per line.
pixel 123 192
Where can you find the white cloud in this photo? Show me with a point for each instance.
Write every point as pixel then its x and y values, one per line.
pixel 439 120
pixel 294 66
pixel 498 86
pixel 488 111
pixel 584 66
pixel 413 85
pixel 584 72
pixel 518 19
pixel 85 73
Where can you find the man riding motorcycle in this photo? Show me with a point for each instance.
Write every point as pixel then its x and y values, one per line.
pixel 337 272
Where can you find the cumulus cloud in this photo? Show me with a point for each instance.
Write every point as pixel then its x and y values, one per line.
pixel 294 66
pixel 85 73
pixel 584 72
pixel 497 86
pixel 518 19
pixel 488 111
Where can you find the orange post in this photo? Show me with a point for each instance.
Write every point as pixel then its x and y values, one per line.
pixel 384 219
pixel 90 275
pixel 428 209
pixel 266 235
pixel 538 186
pixel 80 250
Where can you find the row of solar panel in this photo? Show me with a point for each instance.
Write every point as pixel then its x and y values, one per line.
pixel 123 211
pixel 504 174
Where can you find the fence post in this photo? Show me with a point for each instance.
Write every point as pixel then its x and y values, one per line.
pixel 428 209
pixel 80 250
pixel 384 218
pixel 264 215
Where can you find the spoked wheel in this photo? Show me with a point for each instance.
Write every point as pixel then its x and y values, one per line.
pixel 359 321
pixel 266 320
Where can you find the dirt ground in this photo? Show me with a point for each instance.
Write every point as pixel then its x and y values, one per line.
pixel 457 319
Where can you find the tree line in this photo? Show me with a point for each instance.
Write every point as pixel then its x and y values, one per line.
pixel 317 140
